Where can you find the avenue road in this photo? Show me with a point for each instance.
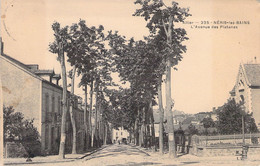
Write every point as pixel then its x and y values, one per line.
pixel 127 155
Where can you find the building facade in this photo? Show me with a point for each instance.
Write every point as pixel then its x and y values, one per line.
pixel 247 89
pixel 119 134
pixel 36 93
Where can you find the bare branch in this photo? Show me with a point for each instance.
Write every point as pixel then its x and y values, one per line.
pixel 164 4
pixel 164 26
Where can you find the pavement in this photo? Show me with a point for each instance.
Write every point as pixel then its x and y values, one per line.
pixel 188 159
pixel 51 159
pixel 131 155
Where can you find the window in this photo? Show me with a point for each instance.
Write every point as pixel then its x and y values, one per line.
pixel 47 102
pixel 46 136
pixel 59 104
pixel 53 104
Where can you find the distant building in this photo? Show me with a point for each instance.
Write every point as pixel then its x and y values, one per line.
pixel 201 115
pixel 178 118
pixel 36 93
pixel 247 89
pixel 119 134
pixel 182 121
pixel 156 116
pixel 214 114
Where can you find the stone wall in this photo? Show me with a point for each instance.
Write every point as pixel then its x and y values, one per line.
pixel 224 145
pixel 224 150
pixel 12 149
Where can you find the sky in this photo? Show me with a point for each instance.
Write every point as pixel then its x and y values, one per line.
pixel 208 70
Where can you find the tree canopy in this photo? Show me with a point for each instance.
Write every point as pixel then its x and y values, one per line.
pixel 21 130
pixel 230 119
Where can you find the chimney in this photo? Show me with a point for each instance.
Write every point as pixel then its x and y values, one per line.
pixel 1 46
pixel 56 78
pixel 33 67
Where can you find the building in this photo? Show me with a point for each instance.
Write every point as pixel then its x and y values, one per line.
pixel 36 93
pixel 178 118
pixel 247 89
pixel 119 134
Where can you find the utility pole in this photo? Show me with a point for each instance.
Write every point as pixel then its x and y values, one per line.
pixel 244 147
pixel 243 130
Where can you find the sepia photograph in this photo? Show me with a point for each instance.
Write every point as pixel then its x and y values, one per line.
pixel 130 82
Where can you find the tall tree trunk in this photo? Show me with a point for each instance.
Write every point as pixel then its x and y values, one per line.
pixel 105 137
pixel 130 135
pixel 141 136
pixel 133 137
pixel 100 128
pixel 90 113
pixel 72 118
pixel 146 127
pixel 136 131
pixel 143 129
pixel 169 105
pixel 169 101
pixel 96 115
pixel 152 126
pixel 64 102
pixel 161 114
pixel 148 134
pixel 86 115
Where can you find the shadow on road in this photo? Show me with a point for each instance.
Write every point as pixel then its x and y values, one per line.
pixel 182 164
pixel 136 164
pixel 121 150
pixel 38 163
pixel 151 163
pixel 115 151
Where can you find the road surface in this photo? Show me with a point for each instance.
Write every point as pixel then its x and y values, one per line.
pixel 126 155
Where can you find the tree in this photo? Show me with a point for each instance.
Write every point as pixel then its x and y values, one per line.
pixel 13 123
pixel 72 104
pixel 75 51
pixel 79 39
pixel 18 129
pixel 161 18
pixel 207 123
pixel 192 130
pixel 230 119
pixel 84 49
pixel 161 114
pixel 90 62
pixel 135 62
pixel 59 46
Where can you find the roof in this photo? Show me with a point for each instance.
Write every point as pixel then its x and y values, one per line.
pixel 16 61
pixel 50 72
pixel 34 73
pixel 20 65
pixel 57 76
pixel 233 91
pixel 188 120
pixel 252 72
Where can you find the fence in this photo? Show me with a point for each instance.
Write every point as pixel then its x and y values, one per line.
pixel 224 144
pixel 234 139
